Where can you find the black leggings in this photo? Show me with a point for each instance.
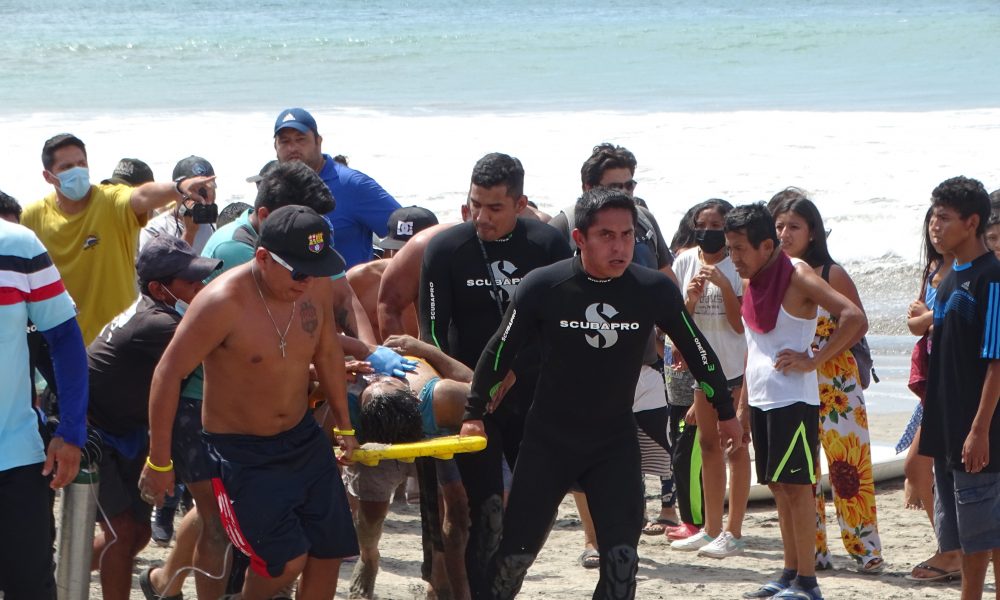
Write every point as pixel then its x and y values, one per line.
pixel 610 477
pixel 482 477
pixel 687 467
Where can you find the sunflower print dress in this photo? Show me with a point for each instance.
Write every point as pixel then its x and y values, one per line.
pixel 843 431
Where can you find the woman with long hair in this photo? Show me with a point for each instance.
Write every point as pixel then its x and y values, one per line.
pixel 843 419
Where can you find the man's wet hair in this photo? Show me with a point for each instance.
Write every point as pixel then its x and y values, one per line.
pixel 231 213
pixel 293 184
pixel 9 207
pixel 499 169
pixel 606 156
pixel 754 221
pixel 966 196
pixel 597 199
pixel 392 417
pixel 55 143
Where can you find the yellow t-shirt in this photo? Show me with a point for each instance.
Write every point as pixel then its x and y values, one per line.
pixel 94 251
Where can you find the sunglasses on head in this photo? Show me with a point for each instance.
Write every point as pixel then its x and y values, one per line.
pixel 626 186
pixel 296 275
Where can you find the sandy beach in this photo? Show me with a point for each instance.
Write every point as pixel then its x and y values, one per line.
pixel 664 573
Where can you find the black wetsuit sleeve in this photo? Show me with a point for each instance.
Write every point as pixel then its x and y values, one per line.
pixel 435 296
pixel 515 329
pixel 675 321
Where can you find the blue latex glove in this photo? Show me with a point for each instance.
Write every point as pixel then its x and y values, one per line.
pixel 387 362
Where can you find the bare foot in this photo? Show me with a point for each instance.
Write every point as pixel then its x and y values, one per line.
pixel 363 580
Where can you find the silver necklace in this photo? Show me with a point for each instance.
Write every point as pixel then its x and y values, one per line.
pixel 281 336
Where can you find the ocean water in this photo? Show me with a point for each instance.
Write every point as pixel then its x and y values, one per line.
pixel 866 105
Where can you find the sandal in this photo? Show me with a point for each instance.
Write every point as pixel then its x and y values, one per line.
pixel 658 526
pixel 146 585
pixel 873 567
pixel 767 590
pixel 942 575
pixel 590 559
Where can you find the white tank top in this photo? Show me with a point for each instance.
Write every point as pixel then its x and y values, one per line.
pixel 768 388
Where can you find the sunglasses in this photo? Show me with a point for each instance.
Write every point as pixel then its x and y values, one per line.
pixel 296 275
pixel 627 186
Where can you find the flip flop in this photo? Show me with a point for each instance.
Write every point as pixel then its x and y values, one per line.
pixel 590 559
pixel 146 585
pixel 658 526
pixel 942 575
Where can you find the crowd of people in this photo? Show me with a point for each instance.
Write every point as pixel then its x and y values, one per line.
pixel 221 356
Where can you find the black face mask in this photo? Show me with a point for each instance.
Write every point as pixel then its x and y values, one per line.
pixel 710 240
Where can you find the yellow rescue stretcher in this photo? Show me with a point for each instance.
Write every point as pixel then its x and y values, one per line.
pixel 440 447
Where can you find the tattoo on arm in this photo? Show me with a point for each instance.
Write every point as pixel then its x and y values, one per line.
pixel 310 319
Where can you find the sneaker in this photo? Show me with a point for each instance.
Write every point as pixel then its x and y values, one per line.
pixel 723 546
pixel 163 525
pixel 681 532
pixel 693 543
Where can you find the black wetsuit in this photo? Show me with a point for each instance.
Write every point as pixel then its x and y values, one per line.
pixel 580 427
pixel 459 312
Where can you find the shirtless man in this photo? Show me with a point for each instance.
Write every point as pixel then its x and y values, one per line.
pixel 365 278
pixel 278 487
pixel 400 287
pixel 429 402
pixel 779 317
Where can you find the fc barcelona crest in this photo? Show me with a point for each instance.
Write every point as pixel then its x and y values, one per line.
pixel 315 243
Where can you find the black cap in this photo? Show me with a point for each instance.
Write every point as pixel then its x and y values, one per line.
pixel 130 171
pixel 193 166
pixel 302 238
pixel 166 257
pixel 267 168
pixel 404 223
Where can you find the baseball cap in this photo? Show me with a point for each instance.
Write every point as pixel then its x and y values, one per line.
pixel 130 171
pixel 267 168
pixel 301 237
pixel 296 118
pixel 404 223
pixel 193 166
pixel 168 257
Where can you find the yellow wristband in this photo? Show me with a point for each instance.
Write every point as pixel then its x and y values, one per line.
pixel 343 431
pixel 165 469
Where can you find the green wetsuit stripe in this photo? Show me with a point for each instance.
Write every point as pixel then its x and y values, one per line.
pixel 496 360
pixel 688 323
pixel 434 336
pixel 694 477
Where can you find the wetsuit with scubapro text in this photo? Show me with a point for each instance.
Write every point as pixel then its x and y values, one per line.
pixel 460 278
pixel 579 428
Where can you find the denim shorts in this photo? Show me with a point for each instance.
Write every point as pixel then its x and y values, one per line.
pixel 966 509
